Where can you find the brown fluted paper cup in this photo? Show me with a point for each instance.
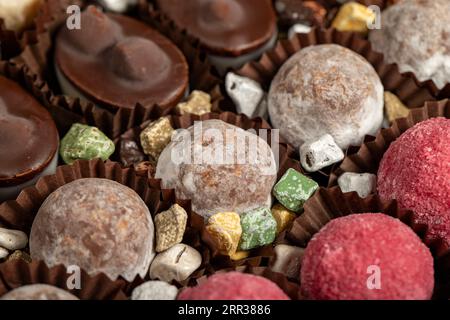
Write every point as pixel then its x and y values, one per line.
pixel 18 273
pixel 19 214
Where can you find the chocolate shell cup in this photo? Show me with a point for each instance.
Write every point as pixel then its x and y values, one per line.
pixel 259 256
pixel 19 214
pixel 37 60
pixel 289 287
pixel 331 203
pixel 18 273
pixel 404 86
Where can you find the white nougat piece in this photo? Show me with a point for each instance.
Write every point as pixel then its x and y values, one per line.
pixel 18 14
pixel 247 95
pixel 363 183
pixel 319 154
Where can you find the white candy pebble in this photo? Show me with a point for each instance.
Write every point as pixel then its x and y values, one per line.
pixel 155 290
pixel 3 253
pixel 363 183
pixel 246 94
pixel 321 153
pixel 176 263
pixel 298 28
pixel 117 5
pixel 12 239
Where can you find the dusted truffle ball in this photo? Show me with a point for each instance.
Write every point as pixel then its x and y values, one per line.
pixel 326 89
pixel 415 170
pixel 97 224
pixel 367 256
pixel 218 166
pixel 234 286
pixel 38 292
pixel 415 34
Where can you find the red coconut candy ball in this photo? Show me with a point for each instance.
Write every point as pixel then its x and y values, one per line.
pixel 367 257
pixel 415 170
pixel 234 286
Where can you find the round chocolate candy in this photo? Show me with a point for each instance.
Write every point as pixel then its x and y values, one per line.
pixel 415 34
pixel 232 31
pixel 367 256
pixel 29 139
pixel 326 89
pixel 117 62
pixel 415 171
pixel 219 167
pixel 38 292
pixel 97 224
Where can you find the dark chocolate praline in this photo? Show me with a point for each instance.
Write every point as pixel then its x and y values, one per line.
pixel 28 135
pixel 224 27
pixel 117 62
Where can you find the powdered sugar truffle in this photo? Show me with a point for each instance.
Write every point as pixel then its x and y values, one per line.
pixel 326 89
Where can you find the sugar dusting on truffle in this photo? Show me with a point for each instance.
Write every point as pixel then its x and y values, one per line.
pixel 415 34
pixel 340 259
pixel 234 286
pixel 415 170
pixel 99 225
pixel 326 89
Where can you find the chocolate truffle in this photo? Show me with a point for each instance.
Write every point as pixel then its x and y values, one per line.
pixel 415 171
pixel 28 140
pixel 234 286
pixel 116 62
pixel 97 224
pixel 326 89
pixel 219 167
pixel 415 34
pixel 38 292
pixel 367 256
pixel 226 28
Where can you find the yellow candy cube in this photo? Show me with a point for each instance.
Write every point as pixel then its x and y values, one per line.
pixel 282 216
pixel 198 103
pixel 353 17
pixel 225 229
pixel 393 107
pixel 239 255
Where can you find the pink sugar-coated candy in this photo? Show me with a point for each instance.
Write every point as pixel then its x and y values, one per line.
pixel 234 286
pixel 415 170
pixel 341 261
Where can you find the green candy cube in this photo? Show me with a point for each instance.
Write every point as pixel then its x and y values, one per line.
pixel 85 142
pixel 293 189
pixel 259 228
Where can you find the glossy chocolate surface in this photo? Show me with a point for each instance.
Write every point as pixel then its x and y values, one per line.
pixel 225 27
pixel 116 62
pixel 28 135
